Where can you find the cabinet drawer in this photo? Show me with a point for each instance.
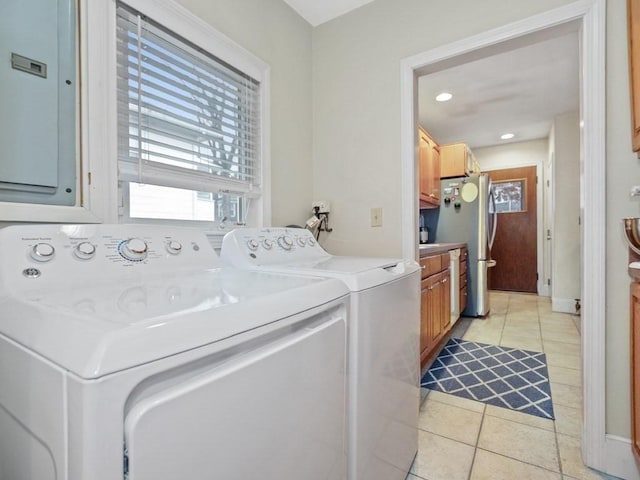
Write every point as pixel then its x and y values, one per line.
pixel 430 265
pixel 444 260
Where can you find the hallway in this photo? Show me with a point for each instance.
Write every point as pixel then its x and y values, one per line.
pixel 461 439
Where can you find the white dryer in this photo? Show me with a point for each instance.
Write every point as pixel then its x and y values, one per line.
pixel 127 352
pixel 384 330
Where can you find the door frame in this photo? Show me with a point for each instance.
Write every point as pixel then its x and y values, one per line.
pixel 597 448
pixel 540 283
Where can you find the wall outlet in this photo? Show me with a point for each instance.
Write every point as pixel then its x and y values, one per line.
pixel 323 206
pixel 376 217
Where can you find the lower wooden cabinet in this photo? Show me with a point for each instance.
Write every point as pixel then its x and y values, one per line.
pixel 435 313
pixel 635 369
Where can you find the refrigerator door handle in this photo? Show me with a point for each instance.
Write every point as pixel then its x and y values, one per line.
pixel 494 214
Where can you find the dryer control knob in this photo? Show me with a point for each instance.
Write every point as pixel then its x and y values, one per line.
pixel 311 241
pixel 42 252
pixel 84 250
pixel 267 243
pixel 285 242
pixel 253 244
pixel 134 249
pixel 174 247
pixel 301 241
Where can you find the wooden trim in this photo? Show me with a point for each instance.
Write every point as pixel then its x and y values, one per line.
pixel 634 347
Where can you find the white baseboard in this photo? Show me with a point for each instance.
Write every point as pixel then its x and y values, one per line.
pixel 563 305
pixel 620 461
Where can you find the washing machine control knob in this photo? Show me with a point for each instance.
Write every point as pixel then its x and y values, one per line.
pixel 285 242
pixel 267 243
pixel 84 250
pixel 134 249
pixel 174 247
pixel 42 252
pixel 253 244
pixel 311 241
pixel 301 241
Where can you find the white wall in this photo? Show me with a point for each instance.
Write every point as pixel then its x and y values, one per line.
pixel 356 139
pixel 271 30
pixel 566 271
pixel 512 155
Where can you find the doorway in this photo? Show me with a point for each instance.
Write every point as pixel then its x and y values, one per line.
pixel 591 18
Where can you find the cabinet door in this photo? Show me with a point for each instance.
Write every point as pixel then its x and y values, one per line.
pixel 424 318
pixel 431 328
pixel 633 14
pixel 434 193
pixel 429 160
pixel 426 167
pixel 635 369
pixel 445 302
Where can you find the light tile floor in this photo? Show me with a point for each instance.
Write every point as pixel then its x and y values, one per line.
pixel 461 439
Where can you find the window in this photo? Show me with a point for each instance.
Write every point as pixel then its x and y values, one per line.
pixel 188 128
pixel 510 195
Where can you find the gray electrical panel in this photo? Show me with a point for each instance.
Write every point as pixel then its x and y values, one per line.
pixel 38 99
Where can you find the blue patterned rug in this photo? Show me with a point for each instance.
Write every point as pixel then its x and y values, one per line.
pixel 501 376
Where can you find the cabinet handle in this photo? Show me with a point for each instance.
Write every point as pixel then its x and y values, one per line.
pixel 444 280
pixel 424 267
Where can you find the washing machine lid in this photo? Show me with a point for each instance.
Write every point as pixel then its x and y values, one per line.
pixel 96 331
pixel 295 250
pixel 358 273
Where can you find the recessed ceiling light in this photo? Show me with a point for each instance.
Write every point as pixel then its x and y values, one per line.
pixel 507 136
pixel 444 97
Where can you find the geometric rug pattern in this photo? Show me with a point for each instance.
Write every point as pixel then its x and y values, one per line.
pixel 501 376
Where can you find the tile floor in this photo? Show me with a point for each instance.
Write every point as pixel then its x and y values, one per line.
pixel 461 439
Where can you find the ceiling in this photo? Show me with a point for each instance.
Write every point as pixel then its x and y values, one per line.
pixel 519 90
pixel 316 12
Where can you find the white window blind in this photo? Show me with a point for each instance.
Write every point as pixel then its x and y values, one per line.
pixel 186 119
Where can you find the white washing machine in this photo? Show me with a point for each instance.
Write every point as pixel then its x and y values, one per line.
pixel 384 330
pixel 126 352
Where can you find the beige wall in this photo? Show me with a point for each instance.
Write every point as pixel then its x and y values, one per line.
pixel 565 263
pixel 356 105
pixel 356 136
pixel 623 171
pixel 277 35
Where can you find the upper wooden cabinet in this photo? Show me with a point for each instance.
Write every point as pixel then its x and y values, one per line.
pixel 457 160
pixel 429 159
pixel 633 15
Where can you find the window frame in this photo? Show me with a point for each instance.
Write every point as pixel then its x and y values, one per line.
pixel 101 95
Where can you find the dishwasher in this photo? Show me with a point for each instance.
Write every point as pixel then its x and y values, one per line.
pixel 454 271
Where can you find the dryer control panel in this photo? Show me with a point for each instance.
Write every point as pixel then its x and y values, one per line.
pixel 67 255
pixel 270 246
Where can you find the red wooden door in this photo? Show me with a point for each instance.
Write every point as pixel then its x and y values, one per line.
pixel 515 246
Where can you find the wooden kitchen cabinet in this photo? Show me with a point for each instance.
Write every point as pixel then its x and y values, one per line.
pixel 457 160
pixel 635 369
pixel 429 162
pixel 435 312
pixel 633 17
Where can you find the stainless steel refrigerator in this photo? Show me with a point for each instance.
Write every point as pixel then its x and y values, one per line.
pixel 467 214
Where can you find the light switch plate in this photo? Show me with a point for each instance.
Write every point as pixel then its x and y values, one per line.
pixel 376 217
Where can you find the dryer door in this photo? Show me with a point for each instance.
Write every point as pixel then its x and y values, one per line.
pixel 270 412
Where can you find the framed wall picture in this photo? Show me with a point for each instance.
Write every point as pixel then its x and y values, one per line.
pixel 510 195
